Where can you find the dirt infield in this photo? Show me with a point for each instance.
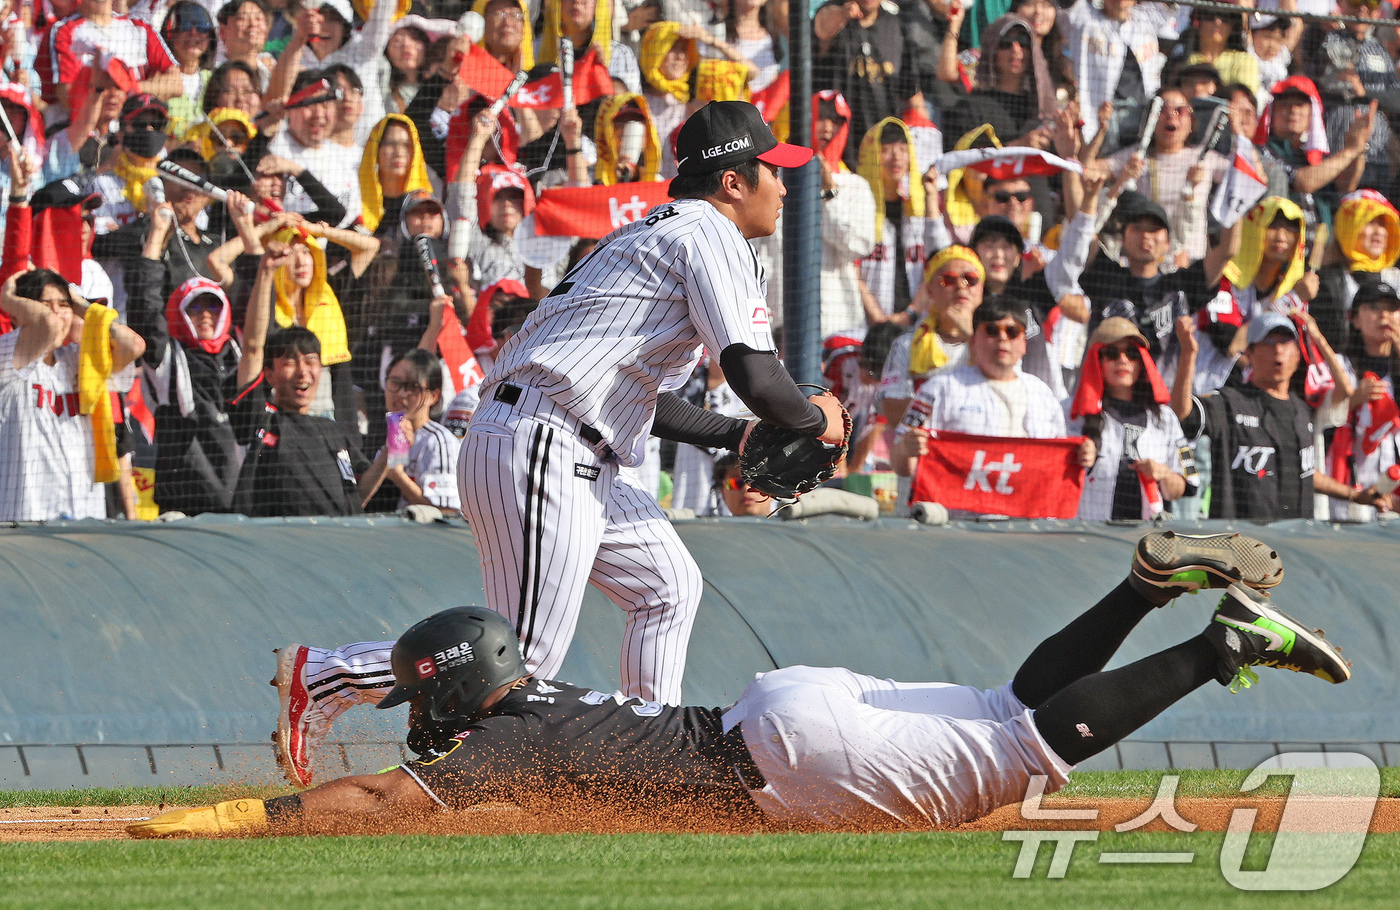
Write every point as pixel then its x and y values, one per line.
pixel 48 823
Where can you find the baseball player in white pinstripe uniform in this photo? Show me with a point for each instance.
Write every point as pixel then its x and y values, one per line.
pixel 568 405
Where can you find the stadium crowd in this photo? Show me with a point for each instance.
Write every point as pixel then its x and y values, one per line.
pixel 259 254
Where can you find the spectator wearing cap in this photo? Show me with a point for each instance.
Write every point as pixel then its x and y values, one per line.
pixel 1123 407
pixel 1371 358
pixel 95 98
pixel 1217 40
pixel 191 359
pixel 1116 59
pixel 490 202
pixel 988 396
pixel 1142 290
pixel 307 142
pixel 1174 176
pixel 184 238
pixel 1367 235
pixel 1350 68
pixel 1261 433
pixel 1291 133
pixel 297 463
pixel 910 224
pixel 75 42
pixel 144 120
pixel 1272 41
pixel 858 50
pixel 188 31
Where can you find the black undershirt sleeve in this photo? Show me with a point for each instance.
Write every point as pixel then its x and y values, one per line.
pixel 761 382
pixel 681 421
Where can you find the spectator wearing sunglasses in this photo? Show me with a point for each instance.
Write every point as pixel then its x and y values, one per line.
pixel 731 496
pixel 189 33
pixel 1014 91
pixel 1123 407
pixel 988 396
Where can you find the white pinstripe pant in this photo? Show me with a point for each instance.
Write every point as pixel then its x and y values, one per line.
pixel 550 516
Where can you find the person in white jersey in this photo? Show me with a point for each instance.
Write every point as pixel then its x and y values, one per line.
pixel 569 404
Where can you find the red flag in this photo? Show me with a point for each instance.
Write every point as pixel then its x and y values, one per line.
pixel 1007 163
pixel 485 73
pixel 453 347
pixel 771 100
pixel 1375 421
pixel 994 475
pixel 596 211
pixel 591 81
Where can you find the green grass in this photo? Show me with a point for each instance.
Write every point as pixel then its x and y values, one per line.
pixel 809 872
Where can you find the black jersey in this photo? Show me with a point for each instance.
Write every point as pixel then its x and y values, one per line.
pixel 550 742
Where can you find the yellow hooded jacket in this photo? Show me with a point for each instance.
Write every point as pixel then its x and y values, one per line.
pixel 371 190
pixel 554 29
pixel 323 314
pixel 656 44
pixel 202 133
pixel 868 166
pixel 1358 210
pixel 964 188
pixel 606 171
pixel 1243 269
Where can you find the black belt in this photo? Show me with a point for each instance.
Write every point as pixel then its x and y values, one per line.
pixel 739 754
pixel 508 393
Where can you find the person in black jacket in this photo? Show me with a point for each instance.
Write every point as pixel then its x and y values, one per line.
pixel 190 360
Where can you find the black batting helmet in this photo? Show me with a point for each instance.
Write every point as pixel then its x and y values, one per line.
pixel 455 659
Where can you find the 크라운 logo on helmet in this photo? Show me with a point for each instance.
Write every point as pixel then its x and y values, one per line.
pixel 455 656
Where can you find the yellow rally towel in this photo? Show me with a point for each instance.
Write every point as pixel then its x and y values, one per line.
pixel 133 178
pixel 1245 266
pixel 656 44
pixel 202 133
pixel 722 80
pixel 323 314
pixel 364 7
pixel 527 38
pixel 94 368
pixel 868 166
pixel 926 350
pixel 964 186
pixel 1358 210
pixel 553 29
pixel 371 190
pixel 606 139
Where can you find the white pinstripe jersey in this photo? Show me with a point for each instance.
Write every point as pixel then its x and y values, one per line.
pixel 45 444
pixel 432 463
pixel 628 322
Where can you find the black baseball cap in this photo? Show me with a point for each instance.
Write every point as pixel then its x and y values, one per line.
pixel 723 134
pixel 64 194
pixel 997 226
pixel 142 102
pixel 1134 206
pixel 1375 291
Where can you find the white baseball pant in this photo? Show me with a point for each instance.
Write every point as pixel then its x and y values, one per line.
pixel 839 748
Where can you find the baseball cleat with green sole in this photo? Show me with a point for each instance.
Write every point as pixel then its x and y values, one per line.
pixel 1247 631
pixel 1186 563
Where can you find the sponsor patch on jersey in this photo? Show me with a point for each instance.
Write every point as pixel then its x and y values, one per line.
pixel 758 314
pixel 267 439
pixel 426 667
pixel 586 471
pixel 342 461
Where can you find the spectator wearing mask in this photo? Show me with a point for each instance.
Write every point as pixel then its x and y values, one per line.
pixel 144 120
pixel 858 50
pixel 1291 134
pixel 589 24
pixel 1370 362
pixel 1261 434
pixel 894 268
pixel 191 359
pixel 307 142
pixel 1123 407
pixel 52 453
pixel 988 396
pixel 1173 177
pixel 297 463
pixel 1116 59
pixel 76 41
pixel 954 280
pixel 429 476
pixel 189 33
pixel 1367 236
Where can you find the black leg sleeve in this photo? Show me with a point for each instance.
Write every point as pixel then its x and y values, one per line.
pixel 1097 711
pixel 1082 647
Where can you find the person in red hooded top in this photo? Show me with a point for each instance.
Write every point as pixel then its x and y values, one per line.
pixel 191 361
pixel 1123 408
